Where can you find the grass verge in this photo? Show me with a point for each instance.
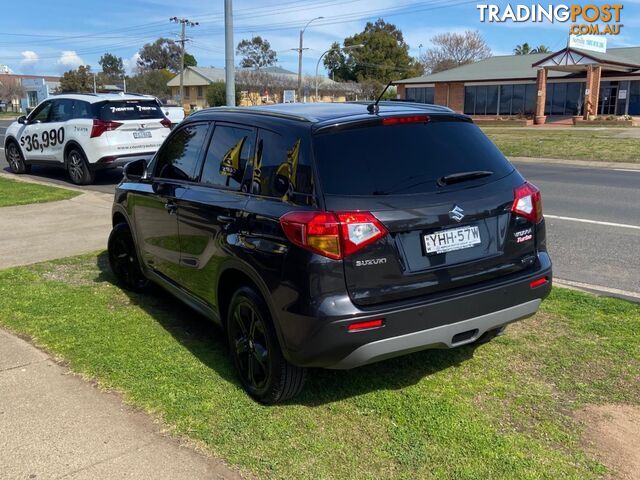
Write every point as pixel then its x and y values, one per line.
pixel 572 144
pixel 502 410
pixel 22 193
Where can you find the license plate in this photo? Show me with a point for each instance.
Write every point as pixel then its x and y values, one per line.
pixel 142 134
pixel 452 239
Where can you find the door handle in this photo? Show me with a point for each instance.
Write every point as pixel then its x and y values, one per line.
pixel 225 219
pixel 170 207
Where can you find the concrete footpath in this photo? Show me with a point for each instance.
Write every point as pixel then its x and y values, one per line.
pixel 53 424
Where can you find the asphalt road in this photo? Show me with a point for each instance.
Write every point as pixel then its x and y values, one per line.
pixel 593 220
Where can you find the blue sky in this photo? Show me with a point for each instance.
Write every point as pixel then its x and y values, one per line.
pixel 50 37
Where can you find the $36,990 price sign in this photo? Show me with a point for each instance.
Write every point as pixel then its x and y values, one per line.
pixel 48 138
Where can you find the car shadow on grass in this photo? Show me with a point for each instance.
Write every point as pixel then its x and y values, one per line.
pixel 207 342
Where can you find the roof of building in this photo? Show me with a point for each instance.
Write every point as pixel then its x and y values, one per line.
pixel 512 67
pixel 324 112
pixel 17 76
pixel 199 76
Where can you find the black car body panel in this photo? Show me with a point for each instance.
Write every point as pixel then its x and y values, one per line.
pixel 197 237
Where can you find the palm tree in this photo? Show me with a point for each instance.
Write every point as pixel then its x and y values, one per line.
pixel 541 49
pixel 523 49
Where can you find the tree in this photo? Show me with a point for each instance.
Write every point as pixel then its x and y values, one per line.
pixel 190 60
pixel 256 53
pixel 11 90
pixel 112 66
pixel 153 82
pixel 217 94
pixel 383 56
pixel 525 49
pixel 80 80
pixel 541 49
pixel 452 50
pixel 337 64
pixel 163 54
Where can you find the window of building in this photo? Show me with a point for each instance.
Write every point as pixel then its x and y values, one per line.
pixel 281 168
pixel 179 156
pixel 200 92
pixel 564 98
pixel 481 100
pixel 32 99
pixel 518 99
pixel 187 92
pixel 227 156
pixel 634 97
pixel 421 94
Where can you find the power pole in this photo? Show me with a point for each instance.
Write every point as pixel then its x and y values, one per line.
pixel 183 38
pixel 229 67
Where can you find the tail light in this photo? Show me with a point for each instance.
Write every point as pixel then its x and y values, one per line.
pixel 166 122
pixel 332 234
pixel 527 202
pixel 404 120
pixel 101 126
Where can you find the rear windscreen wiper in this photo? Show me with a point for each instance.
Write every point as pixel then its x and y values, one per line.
pixel 463 177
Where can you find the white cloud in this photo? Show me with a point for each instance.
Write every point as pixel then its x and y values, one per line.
pixel 70 58
pixel 131 64
pixel 29 58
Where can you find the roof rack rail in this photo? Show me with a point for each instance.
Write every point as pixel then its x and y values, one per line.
pixel 255 111
pixel 76 93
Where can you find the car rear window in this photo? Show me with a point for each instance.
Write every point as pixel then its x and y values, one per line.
pixel 129 110
pixel 403 159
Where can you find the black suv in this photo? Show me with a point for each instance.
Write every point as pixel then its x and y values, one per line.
pixel 323 235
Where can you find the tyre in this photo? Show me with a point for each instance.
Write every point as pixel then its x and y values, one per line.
pixel 264 372
pixel 78 168
pixel 16 160
pixel 123 259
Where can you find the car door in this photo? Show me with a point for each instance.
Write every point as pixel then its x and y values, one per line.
pixel 210 217
pixel 155 208
pixel 29 137
pixel 52 135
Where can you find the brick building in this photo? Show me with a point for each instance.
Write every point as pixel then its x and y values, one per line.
pixel 567 83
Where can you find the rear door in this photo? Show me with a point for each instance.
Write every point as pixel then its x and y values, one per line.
pixel 447 228
pixel 136 126
pixel 211 211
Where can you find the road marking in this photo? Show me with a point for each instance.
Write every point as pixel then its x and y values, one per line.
pixel 597 288
pixel 595 222
pixel 626 170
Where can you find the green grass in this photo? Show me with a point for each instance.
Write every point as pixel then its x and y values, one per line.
pixel 502 410
pixel 21 193
pixel 572 144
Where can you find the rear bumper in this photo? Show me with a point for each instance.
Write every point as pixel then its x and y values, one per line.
pixel 442 322
pixel 115 161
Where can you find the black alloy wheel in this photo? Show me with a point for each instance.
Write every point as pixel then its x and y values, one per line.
pixel 123 259
pixel 264 373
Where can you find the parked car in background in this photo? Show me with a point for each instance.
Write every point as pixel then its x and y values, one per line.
pixel 323 235
pixel 174 113
pixel 84 133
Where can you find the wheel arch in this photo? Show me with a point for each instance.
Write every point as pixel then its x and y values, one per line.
pixel 11 139
pixel 68 146
pixel 237 275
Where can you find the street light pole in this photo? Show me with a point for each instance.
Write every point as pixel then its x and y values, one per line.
pixel 300 48
pixel 323 54
pixel 229 68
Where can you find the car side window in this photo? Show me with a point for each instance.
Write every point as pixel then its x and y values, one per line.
pixel 229 151
pixel 281 168
pixel 41 113
pixel 82 109
pixel 179 156
pixel 61 110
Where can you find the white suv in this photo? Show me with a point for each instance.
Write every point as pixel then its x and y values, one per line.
pixel 87 132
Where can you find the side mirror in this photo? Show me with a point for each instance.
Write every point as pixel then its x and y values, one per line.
pixel 135 170
pixel 22 119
